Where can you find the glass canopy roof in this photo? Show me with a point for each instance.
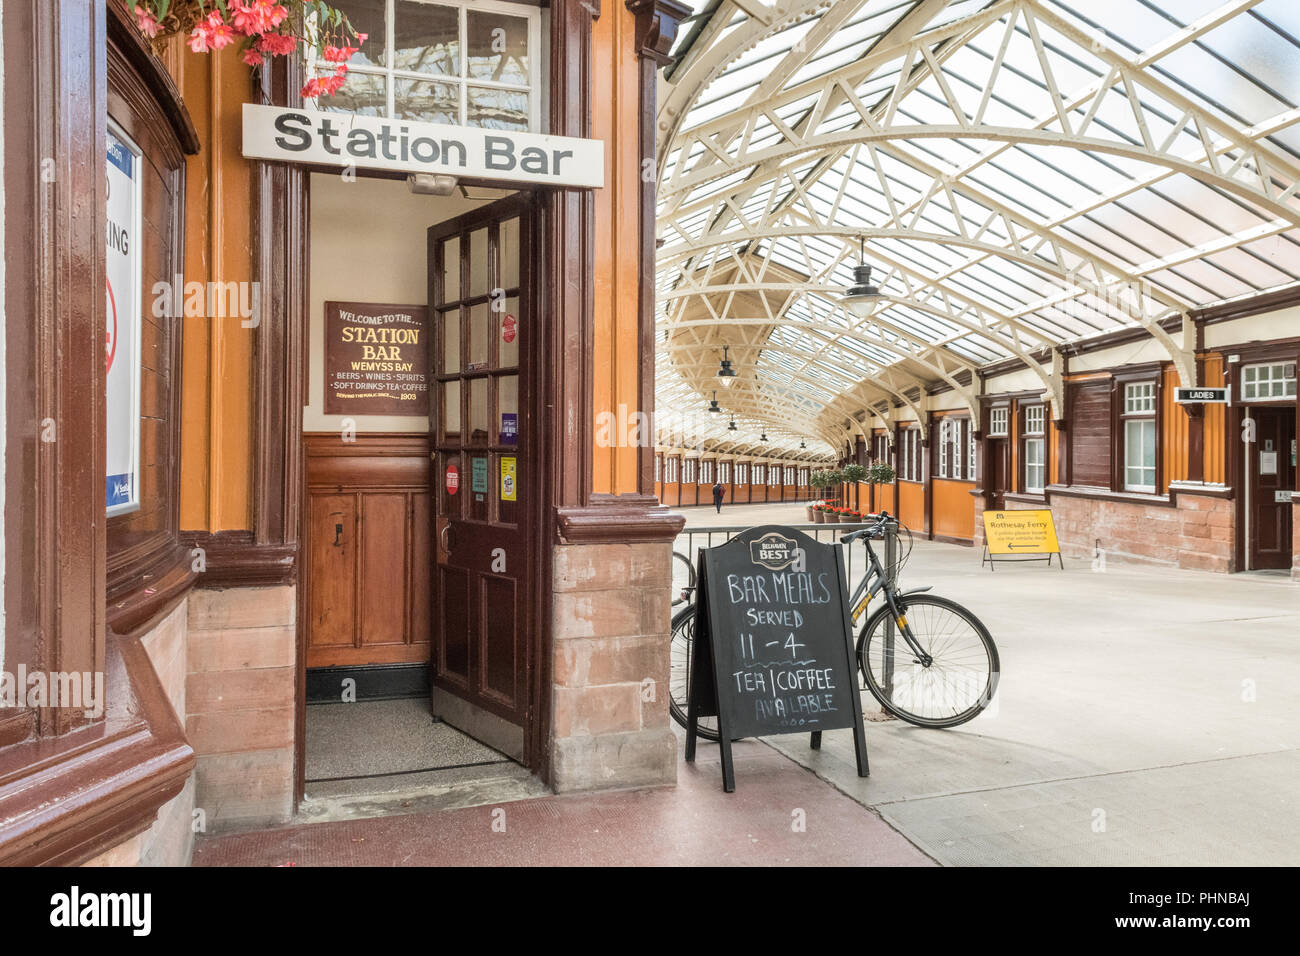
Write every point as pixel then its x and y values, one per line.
pixel 1022 174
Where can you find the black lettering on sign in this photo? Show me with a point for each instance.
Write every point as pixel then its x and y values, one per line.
pixel 773 647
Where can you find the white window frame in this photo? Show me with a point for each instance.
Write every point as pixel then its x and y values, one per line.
pixel 945 436
pixel 1140 409
pixel 1035 465
pixel 1278 384
pixel 999 421
pixel 462 82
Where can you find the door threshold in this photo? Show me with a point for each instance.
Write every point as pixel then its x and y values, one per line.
pixel 396 794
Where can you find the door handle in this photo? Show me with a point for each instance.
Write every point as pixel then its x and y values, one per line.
pixel 445 534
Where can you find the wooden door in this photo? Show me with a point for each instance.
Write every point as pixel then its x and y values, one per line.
pixel 1271 473
pixel 999 471
pixel 483 435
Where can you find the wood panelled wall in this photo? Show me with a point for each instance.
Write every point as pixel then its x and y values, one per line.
pixel 368 550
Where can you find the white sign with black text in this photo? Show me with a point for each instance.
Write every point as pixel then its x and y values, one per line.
pixel 373 142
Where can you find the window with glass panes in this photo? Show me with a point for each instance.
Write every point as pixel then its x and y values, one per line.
pixel 1139 428
pixel 1035 447
pixel 1260 382
pixel 458 63
pixel 999 418
pixel 670 470
pixel 659 467
pixel 724 472
pixel 742 473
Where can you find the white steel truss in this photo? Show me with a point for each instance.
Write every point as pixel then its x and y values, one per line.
pixel 1022 178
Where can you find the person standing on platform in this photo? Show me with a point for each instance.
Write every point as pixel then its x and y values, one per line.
pixel 717 496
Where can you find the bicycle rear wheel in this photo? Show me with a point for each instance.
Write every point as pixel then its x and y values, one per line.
pixel 957 681
pixel 683 578
pixel 681 658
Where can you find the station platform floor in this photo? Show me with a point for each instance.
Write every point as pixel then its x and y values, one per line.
pixel 1145 716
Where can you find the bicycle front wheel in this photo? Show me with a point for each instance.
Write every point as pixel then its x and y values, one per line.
pixel 683 578
pixel 948 677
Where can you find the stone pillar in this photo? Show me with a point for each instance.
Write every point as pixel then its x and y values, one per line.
pixel 612 582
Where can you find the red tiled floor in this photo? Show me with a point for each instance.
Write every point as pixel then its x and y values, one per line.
pixel 692 824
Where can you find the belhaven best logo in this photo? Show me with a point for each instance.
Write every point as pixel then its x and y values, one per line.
pixel 774 551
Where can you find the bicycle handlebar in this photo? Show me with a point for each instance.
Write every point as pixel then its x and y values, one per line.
pixel 882 521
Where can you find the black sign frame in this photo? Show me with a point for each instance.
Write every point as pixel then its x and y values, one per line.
pixel 708 693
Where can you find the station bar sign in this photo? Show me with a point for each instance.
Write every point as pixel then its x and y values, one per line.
pixel 374 142
pixel 1210 396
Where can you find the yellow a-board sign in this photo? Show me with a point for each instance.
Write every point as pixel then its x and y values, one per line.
pixel 1020 532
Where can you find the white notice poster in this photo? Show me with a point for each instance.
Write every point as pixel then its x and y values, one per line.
pixel 122 383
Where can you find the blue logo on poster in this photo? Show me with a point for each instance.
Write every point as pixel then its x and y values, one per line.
pixel 509 428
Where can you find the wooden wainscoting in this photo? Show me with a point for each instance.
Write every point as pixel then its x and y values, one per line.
pixel 367 549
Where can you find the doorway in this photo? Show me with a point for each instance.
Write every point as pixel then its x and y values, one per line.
pixel 1270 463
pixel 999 459
pixel 482 432
pixel 386 630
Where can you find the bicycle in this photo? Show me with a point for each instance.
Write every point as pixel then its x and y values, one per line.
pixel 683 578
pixel 949 664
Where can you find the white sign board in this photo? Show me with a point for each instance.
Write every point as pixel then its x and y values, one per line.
pixel 1268 463
pixel 122 382
pixel 1282 497
pixel 373 142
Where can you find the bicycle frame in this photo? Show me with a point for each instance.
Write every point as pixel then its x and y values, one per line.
pixel 875 577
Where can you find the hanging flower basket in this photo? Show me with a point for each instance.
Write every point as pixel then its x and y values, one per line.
pixel 264 28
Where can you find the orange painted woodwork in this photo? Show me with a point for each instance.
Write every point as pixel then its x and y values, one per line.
pixel 953 517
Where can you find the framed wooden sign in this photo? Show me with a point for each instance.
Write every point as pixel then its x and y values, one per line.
pixel 376 359
pixel 773 644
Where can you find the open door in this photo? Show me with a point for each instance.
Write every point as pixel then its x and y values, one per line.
pixel 1270 464
pixel 484 447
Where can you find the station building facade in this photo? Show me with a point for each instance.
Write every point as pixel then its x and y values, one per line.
pixel 261 521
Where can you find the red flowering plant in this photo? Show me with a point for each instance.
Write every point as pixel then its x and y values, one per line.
pixel 265 28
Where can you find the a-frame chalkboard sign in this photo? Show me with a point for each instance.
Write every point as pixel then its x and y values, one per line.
pixel 773 646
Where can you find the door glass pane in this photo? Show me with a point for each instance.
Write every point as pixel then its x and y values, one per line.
pixel 478 411
pixel 451 269
pixel 478 262
pixel 480 487
pixel 451 409
pixel 451 482
pixel 426 102
pixel 451 340
pixel 496 109
pixel 498 48
pixel 480 324
pixel 509 333
pixel 508 244
pixel 508 492
pixel 508 410
pixel 426 38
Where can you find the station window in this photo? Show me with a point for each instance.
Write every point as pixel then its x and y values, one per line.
pixel 659 467
pixel 1035 446
pixel 742 473
pixel 457 63
pixel 688 471
pixel 724 472
pixel 1140 437
pixel 998 419
pixel 1259 382
pixel 956 450
pixel 909 454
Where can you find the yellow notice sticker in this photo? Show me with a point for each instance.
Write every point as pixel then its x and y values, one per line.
pixel 509 488
pixel 1020 532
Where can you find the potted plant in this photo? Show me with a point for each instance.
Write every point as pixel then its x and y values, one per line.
pixel 852 475
pixel 880 473
pixel 819 513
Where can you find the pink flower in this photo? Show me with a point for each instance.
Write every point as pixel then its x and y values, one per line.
pixel 199 37
pixel 277 44
pixel 253 58
pixel 146 21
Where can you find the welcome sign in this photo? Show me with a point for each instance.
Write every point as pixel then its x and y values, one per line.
pixel 373 142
